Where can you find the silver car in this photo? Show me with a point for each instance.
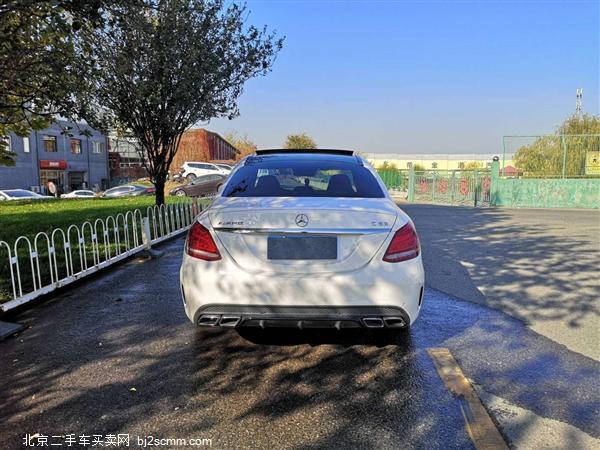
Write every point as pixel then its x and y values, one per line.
pixel 20 194
pixel 128 190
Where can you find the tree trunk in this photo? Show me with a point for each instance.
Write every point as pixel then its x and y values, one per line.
pixel 160 192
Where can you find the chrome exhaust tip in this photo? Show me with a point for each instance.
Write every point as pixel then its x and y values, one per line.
pixel 230 321
pixel 394 322
pixel 209 320
pixel 373 322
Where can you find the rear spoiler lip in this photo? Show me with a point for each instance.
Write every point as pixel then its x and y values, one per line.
pixel 326 151
pixel 300 151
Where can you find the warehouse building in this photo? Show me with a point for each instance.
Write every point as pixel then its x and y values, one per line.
pixel 438 161
pixel 126 162
pixel 72 156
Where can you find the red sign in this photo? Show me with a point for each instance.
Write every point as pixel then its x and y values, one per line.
pixel 464 186
pixel 59 164
pixel 443 186
pixel 487 182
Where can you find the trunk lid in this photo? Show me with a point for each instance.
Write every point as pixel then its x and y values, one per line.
pixel 254 230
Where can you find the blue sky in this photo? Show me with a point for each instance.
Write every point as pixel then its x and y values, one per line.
pixel 420 77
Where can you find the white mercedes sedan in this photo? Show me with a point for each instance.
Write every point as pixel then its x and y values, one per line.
pixel 305 239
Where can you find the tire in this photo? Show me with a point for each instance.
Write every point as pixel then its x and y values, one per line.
pixel 180 193
pixel 191 177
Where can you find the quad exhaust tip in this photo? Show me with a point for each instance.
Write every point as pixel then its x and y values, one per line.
pixel 213 320
pixel 373 322
pixel 208 320
pixel 230 321
pixel 394 322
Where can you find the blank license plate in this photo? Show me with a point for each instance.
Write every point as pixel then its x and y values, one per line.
pixel 293 247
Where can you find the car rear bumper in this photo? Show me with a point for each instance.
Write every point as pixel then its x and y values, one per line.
pixel 221 288
pixel 301 317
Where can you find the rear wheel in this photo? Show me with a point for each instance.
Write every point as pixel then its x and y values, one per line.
pixel 191 177
pixel 180 193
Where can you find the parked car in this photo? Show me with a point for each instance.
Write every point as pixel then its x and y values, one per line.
pixel 225 167
pixel 201 186
pixel 192 170
pixel 177 177
pixel 129 190
pixel 303 239
pixel 21 194
pixel 82 193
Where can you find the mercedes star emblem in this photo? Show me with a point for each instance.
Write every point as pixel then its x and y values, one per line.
pixel 301 220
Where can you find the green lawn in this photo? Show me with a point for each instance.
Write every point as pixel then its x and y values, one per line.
pixel 29 218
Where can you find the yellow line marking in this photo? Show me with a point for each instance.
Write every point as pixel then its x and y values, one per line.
pixel 478 423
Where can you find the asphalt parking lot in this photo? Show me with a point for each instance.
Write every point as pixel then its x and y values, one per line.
pixel 118 355
pixel 538 265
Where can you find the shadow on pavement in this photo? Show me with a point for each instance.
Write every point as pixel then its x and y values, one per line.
pixel 536 265
pixel 73 371
pixel 314 337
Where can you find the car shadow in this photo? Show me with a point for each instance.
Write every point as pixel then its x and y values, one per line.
pixel 315 337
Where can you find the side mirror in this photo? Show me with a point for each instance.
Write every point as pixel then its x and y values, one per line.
pixel 220 188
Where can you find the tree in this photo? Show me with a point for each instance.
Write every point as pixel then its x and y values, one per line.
pixel 163 66
pixel 568 147
pixel 243 145
pixel 299 141
pixel 44 44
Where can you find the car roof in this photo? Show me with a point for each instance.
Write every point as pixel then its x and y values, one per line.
pixel 124 186
pixel 272 155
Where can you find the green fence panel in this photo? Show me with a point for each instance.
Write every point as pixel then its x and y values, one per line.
pixel 481 187
pixel 548 193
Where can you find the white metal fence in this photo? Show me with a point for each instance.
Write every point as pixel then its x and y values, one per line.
pixel 33 267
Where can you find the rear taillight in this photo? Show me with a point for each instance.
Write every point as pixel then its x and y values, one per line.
pixel 404 245
pixel 200 244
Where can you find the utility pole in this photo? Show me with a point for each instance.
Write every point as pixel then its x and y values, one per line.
pixel 578 100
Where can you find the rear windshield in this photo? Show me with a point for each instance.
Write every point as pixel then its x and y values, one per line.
pixel 289 178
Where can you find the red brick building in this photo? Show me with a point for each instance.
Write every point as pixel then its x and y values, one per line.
pixel 196 145
pixel 202 145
